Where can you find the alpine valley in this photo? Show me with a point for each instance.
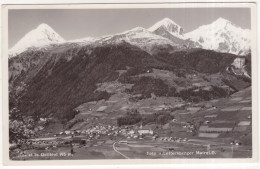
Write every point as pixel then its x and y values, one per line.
pixel 158 87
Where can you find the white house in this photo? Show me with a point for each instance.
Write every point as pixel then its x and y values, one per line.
pixel 145 131
pixel 43 119
pixel 67 132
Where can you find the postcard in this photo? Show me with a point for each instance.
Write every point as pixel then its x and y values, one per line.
pixel 130 83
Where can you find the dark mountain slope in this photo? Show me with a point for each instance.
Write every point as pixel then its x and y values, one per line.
pixel 60 85
pixel 203 61
pixel 54 82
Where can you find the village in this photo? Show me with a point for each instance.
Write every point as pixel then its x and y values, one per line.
pixel 100 134
pixel 223 124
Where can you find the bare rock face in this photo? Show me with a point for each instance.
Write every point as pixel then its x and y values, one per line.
pixel 239 67
pixel 239 63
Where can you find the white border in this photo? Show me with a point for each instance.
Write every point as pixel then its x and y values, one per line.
pixel 254 61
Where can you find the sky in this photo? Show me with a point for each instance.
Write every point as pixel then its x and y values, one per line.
pixel 80 23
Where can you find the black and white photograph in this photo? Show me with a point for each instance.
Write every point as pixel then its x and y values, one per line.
pixel 130 83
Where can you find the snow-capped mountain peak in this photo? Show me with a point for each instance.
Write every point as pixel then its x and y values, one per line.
pixel 222 36
pixel 44 26
pixel 168 25
pixel 42 36
pixel 221 20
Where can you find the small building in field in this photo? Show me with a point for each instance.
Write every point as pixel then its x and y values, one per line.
pixel 67 132
pixel 43 119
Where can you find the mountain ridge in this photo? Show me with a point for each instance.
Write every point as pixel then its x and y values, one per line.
pixel 227 37
pixel 63 80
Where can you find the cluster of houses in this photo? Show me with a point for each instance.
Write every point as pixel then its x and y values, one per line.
pixel 41 124
pixel 189 126
pixel 79 137
pixel 109 130
pixel 94 131
pixel 173 139
pixel 138 133
pixel 45 143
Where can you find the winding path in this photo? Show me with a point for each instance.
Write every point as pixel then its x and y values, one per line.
pixel 114 147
